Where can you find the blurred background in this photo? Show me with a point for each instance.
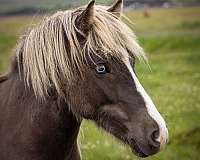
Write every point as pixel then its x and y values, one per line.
pixel 169 32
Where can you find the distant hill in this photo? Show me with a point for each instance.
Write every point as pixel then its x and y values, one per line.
pixel 29 6
pixel 40 6
pixel 43 6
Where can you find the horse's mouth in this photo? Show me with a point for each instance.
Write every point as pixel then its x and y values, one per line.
pixel 137 150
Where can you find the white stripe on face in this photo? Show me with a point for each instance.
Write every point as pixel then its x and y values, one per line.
pixel 153 112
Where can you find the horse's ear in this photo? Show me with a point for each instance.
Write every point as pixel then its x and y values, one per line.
pixel 116 8
pixel 86 18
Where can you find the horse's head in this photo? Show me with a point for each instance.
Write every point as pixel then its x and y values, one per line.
pixel 110 93
pixel 87 56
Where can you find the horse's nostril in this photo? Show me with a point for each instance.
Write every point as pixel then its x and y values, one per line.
pixel 155 135
pixel 153 139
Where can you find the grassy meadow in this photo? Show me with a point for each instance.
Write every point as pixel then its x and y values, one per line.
pixel 171 39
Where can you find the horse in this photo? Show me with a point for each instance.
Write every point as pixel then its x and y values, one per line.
pixel 76 64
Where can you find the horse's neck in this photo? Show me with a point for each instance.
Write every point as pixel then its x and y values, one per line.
pixel 37 129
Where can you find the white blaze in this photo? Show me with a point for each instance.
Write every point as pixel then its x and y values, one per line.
pixel 153 112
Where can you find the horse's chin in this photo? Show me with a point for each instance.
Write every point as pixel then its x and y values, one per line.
pixel 137 150
pixel 139 153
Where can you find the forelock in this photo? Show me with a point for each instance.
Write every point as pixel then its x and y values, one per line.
pixel 52 50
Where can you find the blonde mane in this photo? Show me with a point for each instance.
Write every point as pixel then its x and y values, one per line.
pixel 52 51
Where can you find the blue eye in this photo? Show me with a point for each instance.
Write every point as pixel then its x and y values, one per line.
pixel 101 69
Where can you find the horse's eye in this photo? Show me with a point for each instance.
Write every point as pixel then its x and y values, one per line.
pixel 101 69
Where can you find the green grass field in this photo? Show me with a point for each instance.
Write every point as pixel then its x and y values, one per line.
pixel 171 39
